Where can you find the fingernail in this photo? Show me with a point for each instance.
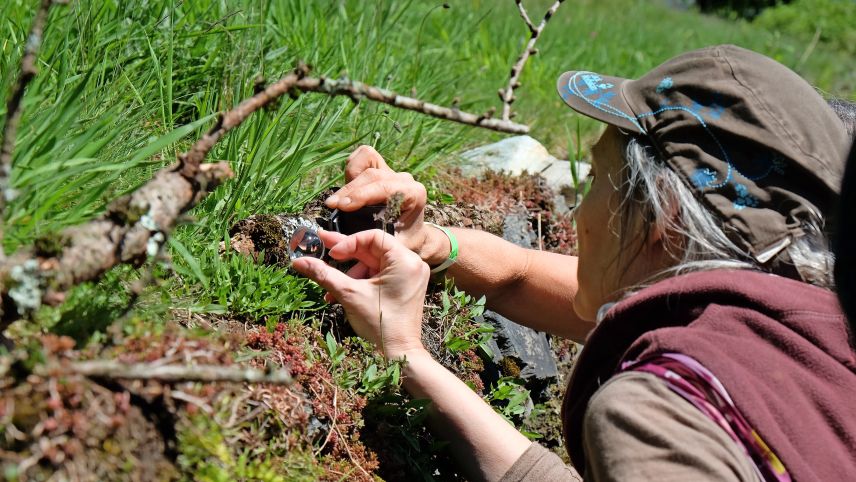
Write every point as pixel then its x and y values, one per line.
pixel 332 200
pixel 345 201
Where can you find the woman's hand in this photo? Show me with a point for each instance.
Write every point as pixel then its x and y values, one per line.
pixel 388 279
pixel 370 181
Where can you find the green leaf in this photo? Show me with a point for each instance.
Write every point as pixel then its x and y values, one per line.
pixel 331 344
pixel 189 259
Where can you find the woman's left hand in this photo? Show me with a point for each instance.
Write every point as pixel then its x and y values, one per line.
pixel 388 279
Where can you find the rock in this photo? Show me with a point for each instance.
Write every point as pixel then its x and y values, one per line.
pixel 516 229
pixel 523 154
pixel 530 349
pixel 520 351
pixel 513 155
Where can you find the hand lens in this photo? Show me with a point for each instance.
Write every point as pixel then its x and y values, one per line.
pixel 305 242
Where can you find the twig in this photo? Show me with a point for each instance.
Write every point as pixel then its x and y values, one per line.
pixel 297 81
pixel 188 398
pixel 809 49
pixel 13 105
pixel 135 226
pixel 175 373
pixel 507 94
pixel 525 16
pixel 351 455
pixel 333 418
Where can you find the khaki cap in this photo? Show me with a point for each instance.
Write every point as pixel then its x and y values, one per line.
pixel 754 140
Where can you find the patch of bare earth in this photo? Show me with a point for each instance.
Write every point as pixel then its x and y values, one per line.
pixel 60 426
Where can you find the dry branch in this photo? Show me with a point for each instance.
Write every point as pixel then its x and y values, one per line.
pixel 507 94
pixel 357 90
pixel 132 229
pixel 525 16
pixel 13 105
pixel 135 226
pixel 175 373
pixel 297 81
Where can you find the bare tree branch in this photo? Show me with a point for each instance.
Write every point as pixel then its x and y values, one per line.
pixel 357 90
pixel 525 16
pixel 13 105
pixel 135 226
pixel 298 81
pixel 507 94
pixel 175 373
pixel 132 229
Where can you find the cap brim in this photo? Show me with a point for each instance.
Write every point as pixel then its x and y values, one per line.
pixel 599 97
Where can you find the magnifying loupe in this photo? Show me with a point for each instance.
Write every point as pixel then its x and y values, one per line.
pixel 305 242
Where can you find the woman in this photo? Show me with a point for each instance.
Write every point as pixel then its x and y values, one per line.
pixel 714 350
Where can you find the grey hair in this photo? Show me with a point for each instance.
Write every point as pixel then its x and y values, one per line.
pixel 846 111
pixel 653 193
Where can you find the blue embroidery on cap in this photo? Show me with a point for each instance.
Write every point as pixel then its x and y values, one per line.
pixel 696 108
pixel 592 81
pixel 744 198
pixel 703 177
pixel 586 85
pixel 700 119
pixel 769 165
pixel 605 97
pixel 583 84
pixel 665 85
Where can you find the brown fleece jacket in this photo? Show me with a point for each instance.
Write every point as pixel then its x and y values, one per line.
pixel 780 347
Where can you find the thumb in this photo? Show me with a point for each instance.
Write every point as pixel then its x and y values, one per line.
pixel 331 279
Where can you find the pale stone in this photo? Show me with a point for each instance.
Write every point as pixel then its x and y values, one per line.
pixel 514 155
pixel 519 154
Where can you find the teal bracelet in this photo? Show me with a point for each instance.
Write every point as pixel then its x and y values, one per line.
pixel 453 253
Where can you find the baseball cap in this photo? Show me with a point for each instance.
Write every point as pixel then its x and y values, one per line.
pixel 752 139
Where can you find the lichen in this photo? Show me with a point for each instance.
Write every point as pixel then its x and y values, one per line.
pixel 154 243
pixel 124 212
pixel 148 222
pixel 26 288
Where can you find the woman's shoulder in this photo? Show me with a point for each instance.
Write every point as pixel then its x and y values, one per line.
pixel 635 424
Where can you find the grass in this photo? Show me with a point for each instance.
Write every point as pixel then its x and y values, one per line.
pixel 124 88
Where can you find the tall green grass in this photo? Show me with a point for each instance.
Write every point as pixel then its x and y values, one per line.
pixel 126 85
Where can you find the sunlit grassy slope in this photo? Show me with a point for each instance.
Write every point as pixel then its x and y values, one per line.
pixel 124 86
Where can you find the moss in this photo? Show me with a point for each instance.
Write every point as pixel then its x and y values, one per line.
pixel 50 245
pixel 509 367
pixel 267 231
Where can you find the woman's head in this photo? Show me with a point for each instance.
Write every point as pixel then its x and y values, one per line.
pixel 717 158
pixel 607 232
pixel 641 222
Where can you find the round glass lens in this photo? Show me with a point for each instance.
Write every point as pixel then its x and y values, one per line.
pixel 305 242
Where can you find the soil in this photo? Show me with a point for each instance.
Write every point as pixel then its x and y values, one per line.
pixel 68 427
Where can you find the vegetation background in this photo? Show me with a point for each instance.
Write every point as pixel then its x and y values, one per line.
pixel 126 85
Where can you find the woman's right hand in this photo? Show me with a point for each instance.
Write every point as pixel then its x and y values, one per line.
pixel 383 294
pixel 370 181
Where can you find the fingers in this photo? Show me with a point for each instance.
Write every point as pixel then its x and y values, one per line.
pixel 375 187
pixel 334 281
pixel 330 238
pixel 360 271
pixel 367 247
pixel 362 158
